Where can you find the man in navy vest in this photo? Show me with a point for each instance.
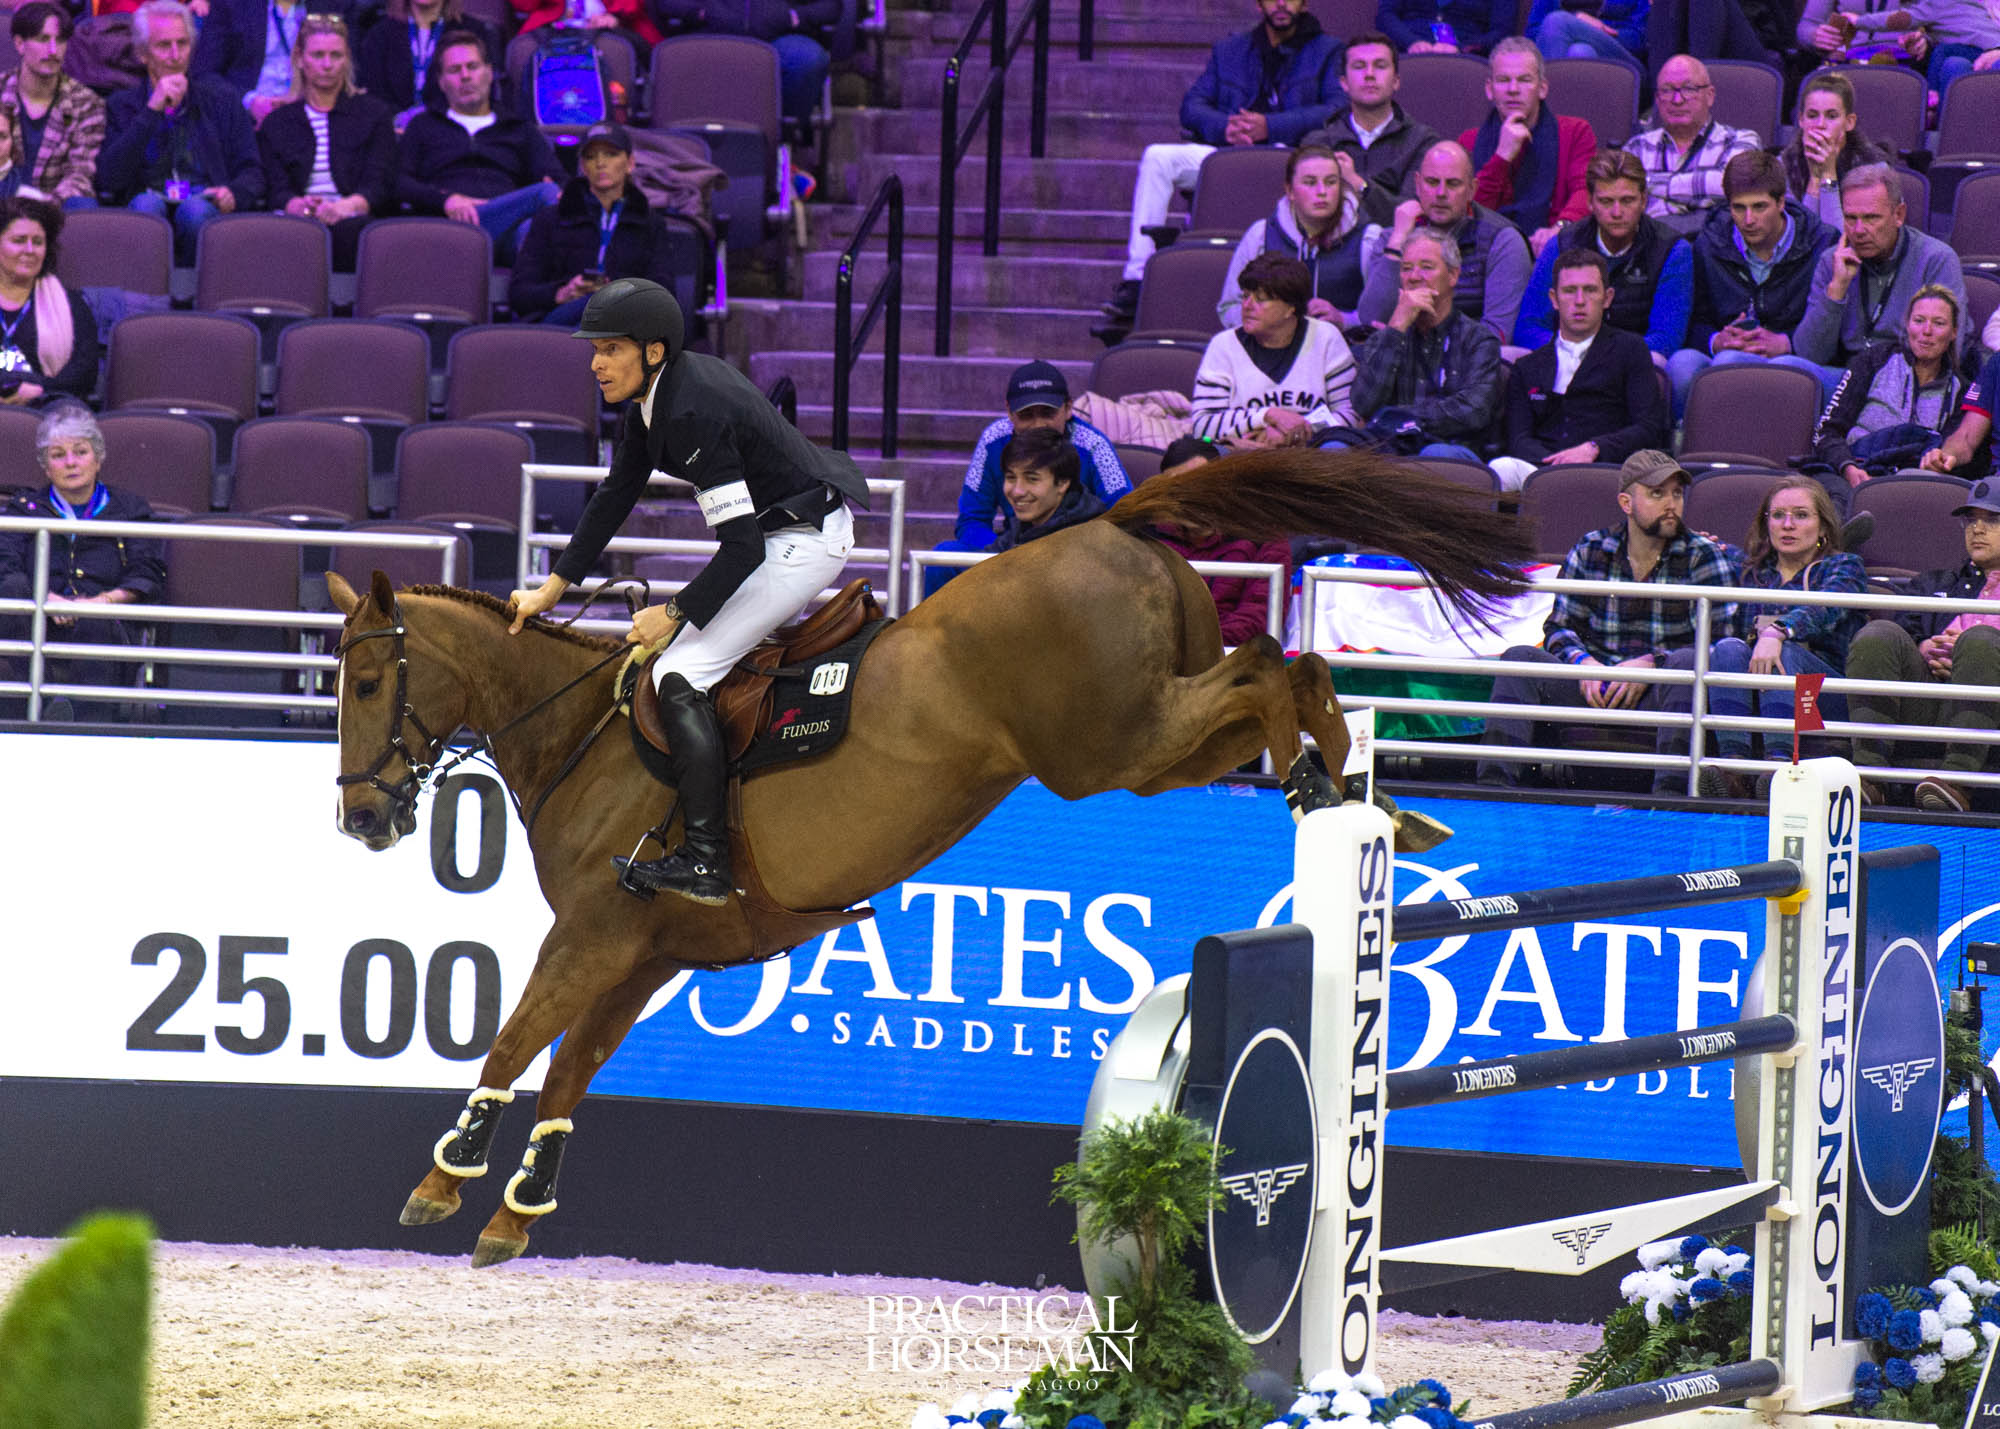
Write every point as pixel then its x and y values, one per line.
pixel 1492 255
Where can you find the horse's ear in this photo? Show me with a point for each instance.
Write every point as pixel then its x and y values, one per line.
pixel 344 597
pixel 383 593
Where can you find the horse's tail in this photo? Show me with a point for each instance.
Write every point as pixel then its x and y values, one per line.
pixel 1447 530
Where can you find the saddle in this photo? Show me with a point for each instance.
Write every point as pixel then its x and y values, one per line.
pixel 744 704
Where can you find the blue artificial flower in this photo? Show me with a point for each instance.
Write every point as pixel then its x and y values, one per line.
pixel 1867 1375
pixel 1706 1288
pixel 1693 1245
pixel 990 1419
pixel 1435 1417
pixel 1085 1421
pixel 1867 1398
pixel 1443 1395
pixel 1734 1250
pixel 1681 1310
pixel 1898 1372
pixel 1990 1312
pixel 1378 1401
pixel 1925 1299
pixel 1906 1331
pixel 1871 1315
pixel 1742 1283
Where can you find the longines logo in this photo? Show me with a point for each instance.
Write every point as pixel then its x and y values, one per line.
pixel 1261 1188
pixel 1580 1239
pixel 1897 1078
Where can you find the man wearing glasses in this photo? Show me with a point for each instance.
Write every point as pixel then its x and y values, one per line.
pixel 1686 154
pixel 1920 647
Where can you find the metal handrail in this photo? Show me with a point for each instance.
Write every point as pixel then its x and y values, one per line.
pixel 955 143
pixel 886 302
pixel 1272 572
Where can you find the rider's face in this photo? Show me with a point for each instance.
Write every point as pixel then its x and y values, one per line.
pixel 614 362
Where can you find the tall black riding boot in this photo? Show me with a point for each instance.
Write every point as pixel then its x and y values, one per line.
pixel 699 868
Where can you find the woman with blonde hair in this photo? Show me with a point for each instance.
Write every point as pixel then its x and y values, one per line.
pixel 330 152
pixel 48 336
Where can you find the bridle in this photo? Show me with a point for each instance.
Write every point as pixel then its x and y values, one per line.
pixel 419 768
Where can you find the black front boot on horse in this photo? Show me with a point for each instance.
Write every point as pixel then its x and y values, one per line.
pixel 699 868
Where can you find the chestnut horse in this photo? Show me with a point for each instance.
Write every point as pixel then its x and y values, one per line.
pixel 1091 660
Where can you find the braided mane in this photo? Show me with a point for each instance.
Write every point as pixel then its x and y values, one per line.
pixel 497 606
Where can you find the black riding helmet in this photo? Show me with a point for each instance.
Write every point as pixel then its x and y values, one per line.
pixel 637 308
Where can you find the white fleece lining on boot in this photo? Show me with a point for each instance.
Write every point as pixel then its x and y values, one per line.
pixel 479 1094
pixel 542 1128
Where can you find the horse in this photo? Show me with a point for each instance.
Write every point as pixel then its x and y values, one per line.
pixel 1091 660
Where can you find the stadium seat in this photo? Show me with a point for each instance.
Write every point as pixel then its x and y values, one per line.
pixel 357 564
pixel 1139 462
pixel 1914 528
pixel 1982 295
pixel 375 375
pixel 1178 295
pixel 1447 92
pixel 272 268
pixel 1234 188
pixel 725 89
pixel 534 379
pixel 1724 503
pixel 306 470
pixel 427 271
pixel 1605 92
pixel 17 446
pixel 1560 505
pixel 230 575
pixel 1750 413
pixel 1965 123
pixel 1145 367
pixel 168 460
pixel 1975 216
pixel 116 248
pixel 1916 195
pixel 1476 475
pixel 1748 95
pixel 1890 102
pixel 149 368
pixel 466 472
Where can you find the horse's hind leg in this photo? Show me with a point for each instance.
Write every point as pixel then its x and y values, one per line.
pixel 1227 713
pixel 585 1047
pixel 1319 711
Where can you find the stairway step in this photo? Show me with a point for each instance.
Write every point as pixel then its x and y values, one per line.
pixel 1146 33
pixel 1068 134
pixel 958 384
pixel 1059 334
pixel 916 426
pixel 1079 284
pixel 1090 233
pixel 1093 184
pixel 1137 87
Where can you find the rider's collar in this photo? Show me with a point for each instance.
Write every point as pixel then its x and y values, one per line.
pixel 652 390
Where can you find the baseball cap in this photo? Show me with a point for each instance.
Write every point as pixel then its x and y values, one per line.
pixel 1036 384
pixel 607 133
pixel 1650 468
pixel 1984 496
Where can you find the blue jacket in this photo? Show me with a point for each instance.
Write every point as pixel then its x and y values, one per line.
pixel 1478 22
pixel 1626 17
pixel 1724 289
pixel 1656 310
pixel 1302 97
pixel 1103 476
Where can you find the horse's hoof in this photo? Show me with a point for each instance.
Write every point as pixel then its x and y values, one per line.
pixel 495 1250
pixel 1418 833
pixel 421 1210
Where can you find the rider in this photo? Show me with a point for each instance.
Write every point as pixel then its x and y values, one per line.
pixel 778 505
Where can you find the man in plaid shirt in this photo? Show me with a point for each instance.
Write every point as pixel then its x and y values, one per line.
pixel 1652 544
pixel 1685 156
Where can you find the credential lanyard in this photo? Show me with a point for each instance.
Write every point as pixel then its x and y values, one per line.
pixel 607 224
pixel 423 44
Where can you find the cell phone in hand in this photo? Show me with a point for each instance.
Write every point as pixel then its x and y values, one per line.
pixel 594 275
pixel 11 384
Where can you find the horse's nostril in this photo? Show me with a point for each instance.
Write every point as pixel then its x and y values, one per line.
pixel 361 821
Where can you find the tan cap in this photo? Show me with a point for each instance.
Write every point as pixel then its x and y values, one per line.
pixel 1650 468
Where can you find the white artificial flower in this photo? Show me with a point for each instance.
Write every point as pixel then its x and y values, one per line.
pixel 1352 1404
pixel 1712 1262
pixel 1659 1252
pixel 1279 1424
pixel 998 1399
pixel 966 1406
pixel 1929 1368
pixel 1736 1262
pixel 1407 1421
pixel 1652 1312
pixel 1988 1331
pixel 929 1416
pixel 1329 1381
pixel 1933 1326
pixel 1956 1308
pixel 1962 1276
pixel 1308 1405
pixel 1988 1287
pixel 1941 1286
pixel 1369 1385
pixel 1957 1344
pixel 1632 1287
pixel 1354 1421
pixel 1013 1421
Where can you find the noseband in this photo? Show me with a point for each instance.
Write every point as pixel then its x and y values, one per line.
pixel 418 767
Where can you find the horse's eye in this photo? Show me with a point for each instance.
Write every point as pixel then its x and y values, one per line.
pixel 366 689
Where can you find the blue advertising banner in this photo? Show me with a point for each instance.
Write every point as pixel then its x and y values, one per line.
pixel 990 985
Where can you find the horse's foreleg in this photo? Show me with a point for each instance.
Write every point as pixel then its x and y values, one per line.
pixel 1319 711
pixel 586 1046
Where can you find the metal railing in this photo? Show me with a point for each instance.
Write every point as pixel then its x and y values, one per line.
pixel 39 609
pixel 956 143
pixel 1274 574
pixel 885 303
pixel 1697 722
pixel 531 541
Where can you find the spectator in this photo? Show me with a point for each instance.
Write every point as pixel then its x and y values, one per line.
pixel 396 59
pixel 1651 544
pixel 1037 396
pixel 1280 374
pixel 470 164
pixel 1651 266
pixel 10 177
pixel 1610 30
pixel 1862 286
pixel 632 19
pixel 1827 146
pixel 248 45
pixel 48 338
pixel 1317 221
pixel 1529 164
pixel 330 154
pixel 1242 603
pixel 602 228
pixel 1793 545
pixel 180 145
pixel 1897 400
pixel 1753 267
pixel 1378 143
pixel 1270 85
pixel 1446 27
pixel 1043 487
pixel 97 570
pixel 1878 29
pixel 791 27
pixel 1755 30
pixel 1964 35
pixel 58 123
pixel 1492 256
pixel 1965 449
pixel 1590 394
pixel 1432 383
pixel 1932 648
pixel 1687 153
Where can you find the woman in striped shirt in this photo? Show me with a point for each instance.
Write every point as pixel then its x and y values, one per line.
pixel 1272 380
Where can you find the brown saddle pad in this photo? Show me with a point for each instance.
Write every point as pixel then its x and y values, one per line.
pixel 743 696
